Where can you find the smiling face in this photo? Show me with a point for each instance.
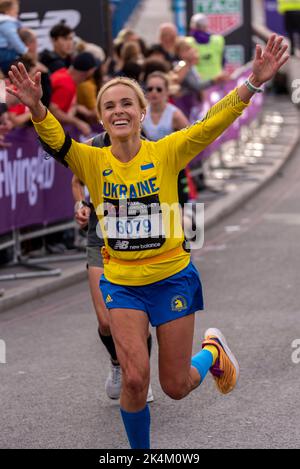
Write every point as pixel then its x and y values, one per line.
pixel 121 112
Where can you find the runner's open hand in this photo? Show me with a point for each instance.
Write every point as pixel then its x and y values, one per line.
pixel 28 91
pixel 267 63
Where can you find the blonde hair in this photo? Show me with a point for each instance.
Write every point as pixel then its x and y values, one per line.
pixel 124 35
pixel 122 81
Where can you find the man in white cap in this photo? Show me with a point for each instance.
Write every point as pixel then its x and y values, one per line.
pixel 210 47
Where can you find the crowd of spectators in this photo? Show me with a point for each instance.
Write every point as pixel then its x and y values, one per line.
pixel 74 70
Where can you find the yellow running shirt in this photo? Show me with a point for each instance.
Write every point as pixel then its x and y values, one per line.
pixel 137 228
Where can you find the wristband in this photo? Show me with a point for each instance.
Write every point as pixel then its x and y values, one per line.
pixel 252 88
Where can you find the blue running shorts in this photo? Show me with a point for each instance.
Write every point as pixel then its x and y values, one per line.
pixel 172 298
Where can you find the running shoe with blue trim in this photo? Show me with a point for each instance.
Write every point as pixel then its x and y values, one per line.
pixel 225 371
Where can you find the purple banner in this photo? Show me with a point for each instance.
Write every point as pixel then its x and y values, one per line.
pixel 211 97
pixel 274 20
pixel 33 191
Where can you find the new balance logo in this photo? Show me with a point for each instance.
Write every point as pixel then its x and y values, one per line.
pixel 109 299
pixel 121 245
pixel 51 18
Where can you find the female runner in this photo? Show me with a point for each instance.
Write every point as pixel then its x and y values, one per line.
pixel 148 276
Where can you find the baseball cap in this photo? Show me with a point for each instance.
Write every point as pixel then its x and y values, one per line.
pixel 85 61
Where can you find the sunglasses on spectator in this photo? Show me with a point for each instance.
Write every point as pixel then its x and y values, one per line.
pixel 156 88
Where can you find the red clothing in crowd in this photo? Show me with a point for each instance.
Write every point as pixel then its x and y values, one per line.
pixel 18 109
pixel 64 89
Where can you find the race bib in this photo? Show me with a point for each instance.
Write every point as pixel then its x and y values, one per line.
pixel 134 224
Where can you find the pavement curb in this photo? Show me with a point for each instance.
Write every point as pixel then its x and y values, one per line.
pixel 18 296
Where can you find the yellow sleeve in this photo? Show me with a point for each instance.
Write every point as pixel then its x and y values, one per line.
pixel 79 155
pixel 179 148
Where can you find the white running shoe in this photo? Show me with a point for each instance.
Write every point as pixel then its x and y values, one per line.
pixel 114 382
pixel 150 397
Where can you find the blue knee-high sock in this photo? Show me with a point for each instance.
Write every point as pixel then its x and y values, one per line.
pixel 202 361
pixel 137 426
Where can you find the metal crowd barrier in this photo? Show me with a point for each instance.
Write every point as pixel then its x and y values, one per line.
pixel 36 266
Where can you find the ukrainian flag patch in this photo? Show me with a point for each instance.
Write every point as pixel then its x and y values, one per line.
pixel 147 166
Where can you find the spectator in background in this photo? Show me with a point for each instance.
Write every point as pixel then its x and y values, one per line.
pixel 19 114
pixel 128 35
pixel 64 91
pixel 156 60
pixel 132 70
pixel 11 45
pixel 131 61
pixel 209 46
pixel 131 52
pixel 186 69
pixel 115 62
pixel 167 39
pixel 62 38
pixel 291 12
pixel 163 118
pixel 30 40
pixel 156 52
pixel 154 65
pixel 83 46
pixel 87 91
pixel 5 125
